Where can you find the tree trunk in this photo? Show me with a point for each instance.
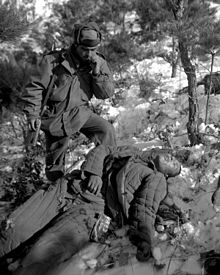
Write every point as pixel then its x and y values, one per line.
pixel 192 129
pixel 175 57
pixel 190 71
pixel 175 66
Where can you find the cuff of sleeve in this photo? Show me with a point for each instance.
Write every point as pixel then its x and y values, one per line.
pixel 88 172
pixel 30 117
pixel 95 74
pixel 95 160
pixel 100 78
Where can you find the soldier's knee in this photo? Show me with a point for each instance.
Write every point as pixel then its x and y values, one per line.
pixel 108 135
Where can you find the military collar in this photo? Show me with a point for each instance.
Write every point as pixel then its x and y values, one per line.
pixel 69 61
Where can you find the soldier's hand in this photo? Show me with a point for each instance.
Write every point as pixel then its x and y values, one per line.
pixel 95 63
pixel 33 124
pixel 95 184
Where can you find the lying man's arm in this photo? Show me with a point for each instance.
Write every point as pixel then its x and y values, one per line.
pixel 92 168
pixel 142 213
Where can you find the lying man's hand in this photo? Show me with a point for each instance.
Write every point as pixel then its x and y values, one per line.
pixel 95 184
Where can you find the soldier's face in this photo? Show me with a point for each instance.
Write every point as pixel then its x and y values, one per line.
pixel 168 165
pixel 84 53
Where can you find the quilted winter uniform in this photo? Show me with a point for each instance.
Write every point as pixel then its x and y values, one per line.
pixel 133 189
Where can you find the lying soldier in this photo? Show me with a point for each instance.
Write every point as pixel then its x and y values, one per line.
pixel 134 185
pixel 124 182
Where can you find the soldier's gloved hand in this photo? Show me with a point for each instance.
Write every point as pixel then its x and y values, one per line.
pixel 33 124
pixel 95 63
pixel 95 184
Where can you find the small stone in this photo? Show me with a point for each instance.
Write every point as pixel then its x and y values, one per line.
pixel 160 228
pixel 163 237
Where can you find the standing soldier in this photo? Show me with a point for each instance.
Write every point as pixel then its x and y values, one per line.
pixel 69 79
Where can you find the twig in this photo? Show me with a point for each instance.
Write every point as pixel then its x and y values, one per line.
pixel 168 267
pixel 210 88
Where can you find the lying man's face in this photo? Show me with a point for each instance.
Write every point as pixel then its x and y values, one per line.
pixel 167 164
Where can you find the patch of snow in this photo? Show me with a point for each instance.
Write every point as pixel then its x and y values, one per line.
pixel 154 67
pixel 217 6
pixel 190 229
pixel 7 169
pixel 143 106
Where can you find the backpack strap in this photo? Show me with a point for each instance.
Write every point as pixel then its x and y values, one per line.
pixel 48 93
pixel 52 80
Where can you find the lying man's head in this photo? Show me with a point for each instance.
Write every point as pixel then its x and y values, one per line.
pixel 166 164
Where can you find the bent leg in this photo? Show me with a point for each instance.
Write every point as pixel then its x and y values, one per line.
pixel 55 156
pixel 99 130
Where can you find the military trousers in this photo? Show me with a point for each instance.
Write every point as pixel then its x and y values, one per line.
pixel 97 129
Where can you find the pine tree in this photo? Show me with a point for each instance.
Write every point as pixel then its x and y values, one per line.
pixel 12 25
pixel 191 20
pixel 13 22
pixel 186 21
pixel 156 21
